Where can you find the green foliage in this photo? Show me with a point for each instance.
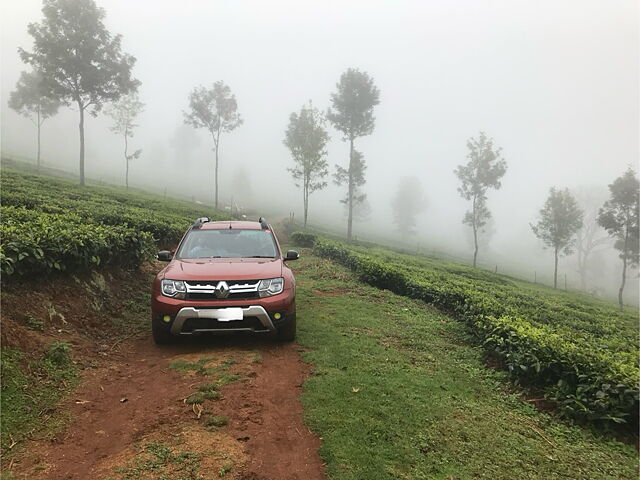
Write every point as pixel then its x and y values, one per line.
pixel 560 219
pixel 215 110
pixel 30 98
pixel 59 354
pixel 399 391
pixel 307 139
pixel 352 104
pixel 216 421
pixel 303 239
pixel 79 60
pixel 96 73
pixel 352 115
pixel 582 353
pixel 53 225
pixel 483 171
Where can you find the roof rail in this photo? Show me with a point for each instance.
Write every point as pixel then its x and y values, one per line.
pixel 263 223
pixel 199 221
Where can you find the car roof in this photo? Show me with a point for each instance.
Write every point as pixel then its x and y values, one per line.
pixel 232 224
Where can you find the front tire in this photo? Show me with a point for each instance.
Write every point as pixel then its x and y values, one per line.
pixel 287 330
pixel 161 335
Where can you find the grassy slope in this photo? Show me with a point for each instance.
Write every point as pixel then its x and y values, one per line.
pixel 398 393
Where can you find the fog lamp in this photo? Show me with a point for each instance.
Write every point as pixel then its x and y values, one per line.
pixel 166 319
pixel 277 316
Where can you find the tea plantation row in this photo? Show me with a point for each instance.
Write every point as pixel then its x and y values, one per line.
pixel 581 351
pixel 51 224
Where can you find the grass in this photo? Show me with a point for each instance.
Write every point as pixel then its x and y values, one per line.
pixel 30 391
pixel 158 459
pixel 399 392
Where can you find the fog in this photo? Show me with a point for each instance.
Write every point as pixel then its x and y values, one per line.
pixel 555 84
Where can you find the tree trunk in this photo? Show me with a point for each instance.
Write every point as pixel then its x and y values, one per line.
pixel 38 157
pixel 350 203
pixel 217 142
pixel 126 159
pixel 81 127
pixel 624 265
pixel 555 270
pixel 475 235
pixel 306 201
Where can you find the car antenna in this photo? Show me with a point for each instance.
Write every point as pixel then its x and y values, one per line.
pixel 229 224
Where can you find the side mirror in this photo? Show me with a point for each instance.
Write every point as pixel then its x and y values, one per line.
pixel 164 256
pixel 291 255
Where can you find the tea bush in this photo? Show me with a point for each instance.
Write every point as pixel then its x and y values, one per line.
pixel 582 352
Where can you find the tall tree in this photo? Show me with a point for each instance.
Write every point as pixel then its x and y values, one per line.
pixel 30 99
pixel 352 115
pixel 124 113
pixel 80 61
pixel 307 140
pixel 354 178
pixel 483 171
pixel 406 204
pixel 591 237
pixel 619 217
pixel 216 110
pixel 560 219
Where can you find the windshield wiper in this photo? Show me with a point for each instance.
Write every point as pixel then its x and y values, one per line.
pixel 261 256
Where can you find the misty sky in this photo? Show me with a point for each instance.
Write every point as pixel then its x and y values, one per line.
pixel 555 83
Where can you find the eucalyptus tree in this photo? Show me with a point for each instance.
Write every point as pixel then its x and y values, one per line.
pixel 619 217
pixel 560 220
pixel 483 171
pixel 351 113
pixel 31 99
pixel 306 139
pixel 81 63
pixel 124 113
pixel 216 110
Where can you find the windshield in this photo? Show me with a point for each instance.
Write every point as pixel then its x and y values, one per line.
pixel 228 243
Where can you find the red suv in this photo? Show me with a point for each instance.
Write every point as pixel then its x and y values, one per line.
pixel 225 277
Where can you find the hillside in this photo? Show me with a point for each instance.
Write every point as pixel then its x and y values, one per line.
pixel 380 385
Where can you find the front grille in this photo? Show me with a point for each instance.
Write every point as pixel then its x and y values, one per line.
pixel 192 324
pixel 206 290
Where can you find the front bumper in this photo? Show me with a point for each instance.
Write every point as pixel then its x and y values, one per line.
pixel 188 317
pixel 217 314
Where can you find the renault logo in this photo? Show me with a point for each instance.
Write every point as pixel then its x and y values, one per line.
pixel 222 290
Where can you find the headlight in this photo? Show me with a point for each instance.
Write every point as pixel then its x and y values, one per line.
pixel 174 288
pixel 270 286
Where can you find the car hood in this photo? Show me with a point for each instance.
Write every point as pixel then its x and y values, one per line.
pixel 224 269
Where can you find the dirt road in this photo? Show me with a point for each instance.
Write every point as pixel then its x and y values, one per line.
pixel 211 407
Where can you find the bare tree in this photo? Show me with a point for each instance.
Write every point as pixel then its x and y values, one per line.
pixel 124 113
pixel 216 110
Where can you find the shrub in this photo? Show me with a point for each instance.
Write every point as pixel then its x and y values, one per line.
pixel 583 356
pixel 303 239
